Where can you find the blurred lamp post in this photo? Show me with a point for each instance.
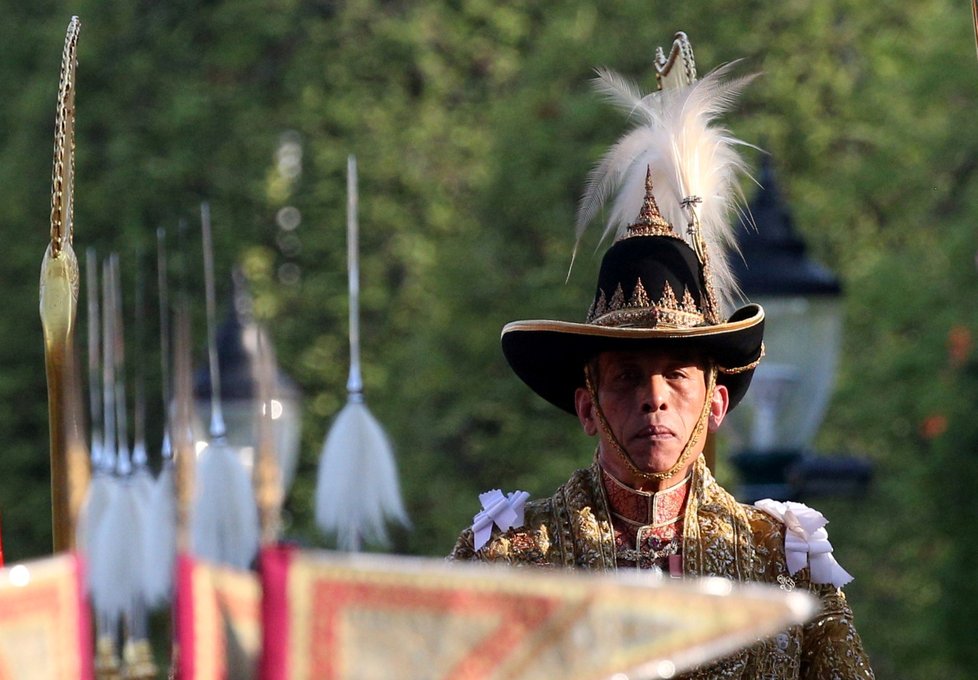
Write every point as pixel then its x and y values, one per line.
pixel 784 408
pixel 237 351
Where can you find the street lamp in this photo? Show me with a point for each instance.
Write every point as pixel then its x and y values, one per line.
pixel 779 417
pixel 237 353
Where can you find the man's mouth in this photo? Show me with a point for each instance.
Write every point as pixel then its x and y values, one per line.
pixel 654 432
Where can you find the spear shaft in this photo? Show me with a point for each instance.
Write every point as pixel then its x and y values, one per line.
pixel 218 431
pixel 166 451
pixel 354 384
pixel 94 355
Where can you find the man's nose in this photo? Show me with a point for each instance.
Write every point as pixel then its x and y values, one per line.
pixel 654 394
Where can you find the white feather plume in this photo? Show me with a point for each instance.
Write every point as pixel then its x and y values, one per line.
pixel 116 568
pixel 690 155
pixel 98 498
pixel 159 542
pixel 143 483
pixel 224 525
pixel 357 490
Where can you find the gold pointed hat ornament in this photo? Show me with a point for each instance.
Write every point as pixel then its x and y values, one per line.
pixel 665 279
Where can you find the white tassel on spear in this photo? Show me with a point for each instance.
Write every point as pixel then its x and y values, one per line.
pixel 101 490
pixel 357 490
pixel 122 564
pixel 159 544
pixel 142 475
pixel 97 498
pixel 116 567
pixel 225 518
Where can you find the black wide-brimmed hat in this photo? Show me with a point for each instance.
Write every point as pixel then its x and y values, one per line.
pixel 656 289
pixel 651 294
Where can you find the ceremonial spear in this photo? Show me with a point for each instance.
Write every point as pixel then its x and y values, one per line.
pixel 137 650
pixel 160 544
pixel 58 308
pixel 135 486
pixel 98 495
pixel 94 364
pixel 225 520
pixel 102 489
pixel 141 473
pixel 357 489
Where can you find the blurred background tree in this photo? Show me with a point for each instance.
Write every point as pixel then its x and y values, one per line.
pixel 475 125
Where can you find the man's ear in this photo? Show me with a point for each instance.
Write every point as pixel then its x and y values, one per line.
pixel 718 406
pixel 585 411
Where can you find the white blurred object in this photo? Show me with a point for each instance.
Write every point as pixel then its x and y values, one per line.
pixel 224 525
pixel 806 542
pixel 506 512
pixel 357 490
pixel 159 542
pixel 225 517
pixel 117 573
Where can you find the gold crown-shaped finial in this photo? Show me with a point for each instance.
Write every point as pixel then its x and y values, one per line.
pixel 650 221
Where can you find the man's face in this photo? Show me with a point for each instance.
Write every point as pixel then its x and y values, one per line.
pixel 652 401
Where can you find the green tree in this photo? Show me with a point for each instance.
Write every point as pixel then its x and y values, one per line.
pixel 474 126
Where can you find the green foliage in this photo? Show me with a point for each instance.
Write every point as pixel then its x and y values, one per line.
pixel 474 126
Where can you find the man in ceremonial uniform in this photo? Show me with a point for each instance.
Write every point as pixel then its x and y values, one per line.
pixel 654 368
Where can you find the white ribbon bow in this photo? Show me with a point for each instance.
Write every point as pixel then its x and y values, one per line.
pixel 806 542
pixel 505 511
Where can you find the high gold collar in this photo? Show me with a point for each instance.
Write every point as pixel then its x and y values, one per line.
pixel 645 508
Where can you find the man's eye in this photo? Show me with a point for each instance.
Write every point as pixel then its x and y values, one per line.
pixel 628 376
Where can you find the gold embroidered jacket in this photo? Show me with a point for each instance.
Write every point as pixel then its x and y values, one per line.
pixel 721 537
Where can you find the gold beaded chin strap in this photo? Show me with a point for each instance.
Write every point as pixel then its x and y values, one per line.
pixel 694 437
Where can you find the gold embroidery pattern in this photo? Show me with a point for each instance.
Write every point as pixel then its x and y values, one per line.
pixel 562 529
pixel 590 521
pixel 721 538
pixel 668 312
pixel 718 526
pixel 650 552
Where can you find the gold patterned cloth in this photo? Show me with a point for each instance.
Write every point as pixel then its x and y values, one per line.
pixel 45 624
pixel 334 616
pixel 720 537
pixel 218 621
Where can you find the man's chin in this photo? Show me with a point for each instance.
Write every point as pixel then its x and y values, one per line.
pixel 657 462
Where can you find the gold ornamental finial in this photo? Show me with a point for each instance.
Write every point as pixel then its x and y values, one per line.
pixel 63 172
pixel 668 73
pixel 650 221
